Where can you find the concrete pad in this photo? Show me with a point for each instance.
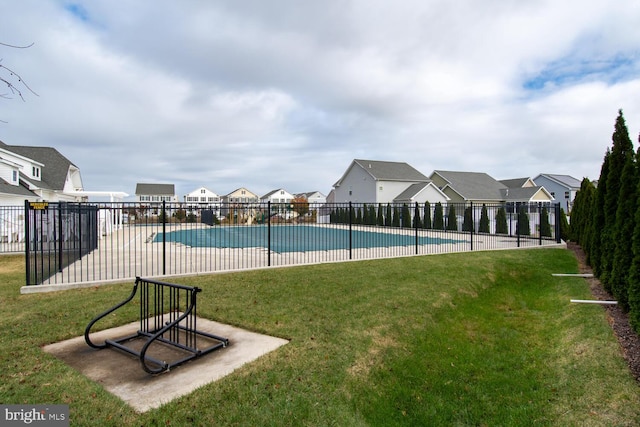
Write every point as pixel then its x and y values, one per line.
pixel 122 374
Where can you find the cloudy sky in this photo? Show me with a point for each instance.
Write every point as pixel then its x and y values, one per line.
pixel 286 93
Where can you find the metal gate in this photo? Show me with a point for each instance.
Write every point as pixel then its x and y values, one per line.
pixel 56 235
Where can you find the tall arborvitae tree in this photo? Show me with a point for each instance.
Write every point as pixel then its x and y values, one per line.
pixel 438 217
pixel 545 226
pixel 624 226
pixel 633 291
pixel 597 221
pixel 396 217
pixel 467 223
pixel 406 216
pixel 564 226
pixel 365 214
pixel 522 226
pixel 622 148
pixel 380 217
pixel 582 214
pixel 501 221
pixel 452 219
pixel 417 221
pixel 483 227
pixel 426 222
pixel 358 215
pixel 372 215
pixel 388 218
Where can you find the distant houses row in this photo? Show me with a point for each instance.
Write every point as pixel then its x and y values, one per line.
pixel 43 174
pixel 205 198
pixel 384 182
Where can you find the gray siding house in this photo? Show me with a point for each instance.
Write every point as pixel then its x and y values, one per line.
pixel 373 181
pixel 562 187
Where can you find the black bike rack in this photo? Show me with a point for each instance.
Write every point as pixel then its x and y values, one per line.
pixel 167 317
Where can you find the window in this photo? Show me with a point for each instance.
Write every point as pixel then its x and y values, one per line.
pixel 381 188
pixel 566 194
pixel 202 191
pixel 15 176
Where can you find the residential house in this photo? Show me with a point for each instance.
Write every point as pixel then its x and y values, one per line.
pixel 525 190
pixel 372 181
pixel 562 187
pixel 420 193
pixel 239 205
pixel 481 189
pixel 155 193
pixel 202 198
pixel 240 195
pixel 37 174
pixel 277 196
pixel 314 198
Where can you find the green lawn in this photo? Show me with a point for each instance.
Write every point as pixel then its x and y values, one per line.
pixel 484 338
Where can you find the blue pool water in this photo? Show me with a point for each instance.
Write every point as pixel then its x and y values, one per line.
pixel 298 238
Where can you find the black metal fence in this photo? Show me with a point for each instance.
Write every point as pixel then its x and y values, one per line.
pixel 12 229
pixel 56 236
pixel 133 239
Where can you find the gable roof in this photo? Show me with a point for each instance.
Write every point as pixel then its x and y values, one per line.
pixel 15 190
pixel 524 193
pixel 564 180
pixel 473 185
pixel 414 189
pixel 386 171
pixel 515 182
pixel 56 166
pixel 155 189
pixel 271 193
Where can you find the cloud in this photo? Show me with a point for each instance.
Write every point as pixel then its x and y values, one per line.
pixel 286 93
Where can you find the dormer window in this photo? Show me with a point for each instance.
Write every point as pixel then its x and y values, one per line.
pixel 15 176
pixel 36 172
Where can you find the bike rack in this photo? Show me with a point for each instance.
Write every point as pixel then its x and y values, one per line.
pixel 167 317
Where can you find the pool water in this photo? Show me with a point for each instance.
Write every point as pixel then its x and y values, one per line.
pixel 296 238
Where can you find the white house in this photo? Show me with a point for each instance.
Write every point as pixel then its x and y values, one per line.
pixel 277 196
pixel 202 198
pixel 314 198
pixel 372 181
pixel 37 174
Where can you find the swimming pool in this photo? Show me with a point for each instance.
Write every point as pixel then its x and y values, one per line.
pixel 294 238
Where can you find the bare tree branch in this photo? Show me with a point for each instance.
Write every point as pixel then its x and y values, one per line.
pixel 14 90
pixel 16 47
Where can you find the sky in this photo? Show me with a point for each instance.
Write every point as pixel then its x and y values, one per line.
pixel 286 93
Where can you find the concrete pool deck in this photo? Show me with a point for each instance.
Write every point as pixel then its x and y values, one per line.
pixel 131 252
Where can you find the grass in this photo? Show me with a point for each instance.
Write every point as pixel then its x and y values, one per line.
pixel 485 338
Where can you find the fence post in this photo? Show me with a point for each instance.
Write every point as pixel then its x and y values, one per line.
pixel 59 237
pixel 350 229
pixel 540 223
pixel 518 225
pixel 269 233
pixel 557 224
pixel 27 242
pixel 473 224
pixel 415 224
pixel 164 237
